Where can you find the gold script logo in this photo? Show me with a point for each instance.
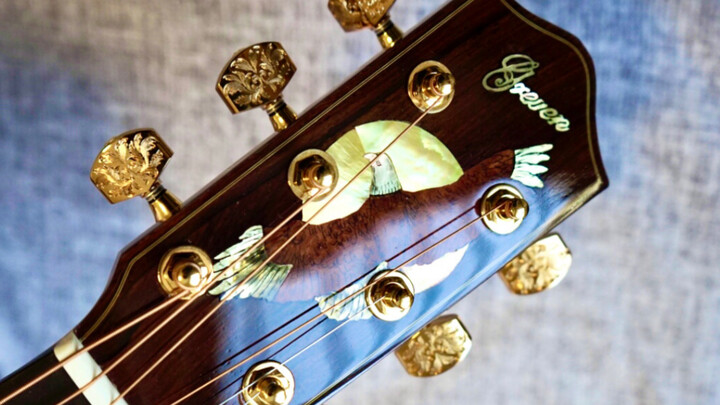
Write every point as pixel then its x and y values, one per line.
pixel 515 69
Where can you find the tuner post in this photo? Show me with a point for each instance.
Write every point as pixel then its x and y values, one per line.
pixel 184 268
pixel 129 165
pixel 357 15
pixel 313 174
pixel 267 383
pixel 502 209
pixel 255 77
pixel 390 296
pixel 431 86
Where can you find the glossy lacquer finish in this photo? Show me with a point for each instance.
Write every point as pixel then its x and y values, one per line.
pixel 482 129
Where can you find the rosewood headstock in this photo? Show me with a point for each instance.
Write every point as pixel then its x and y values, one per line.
pixel 357 223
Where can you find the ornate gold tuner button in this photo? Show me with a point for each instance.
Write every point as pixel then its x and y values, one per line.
pixel 255 77
pixel 358 14
pixel 130 165
pixel 436 348
pixel 539 267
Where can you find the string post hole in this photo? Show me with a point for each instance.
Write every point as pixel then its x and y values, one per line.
pixel 390 296
pixel 502 209
pixel 431 86
pixel 267 383
pixel 312 174
pixel 184 268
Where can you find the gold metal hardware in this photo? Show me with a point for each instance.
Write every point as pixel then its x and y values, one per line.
pixel 390 296
pixel 502 209
pixel 267 383
pixel 428 82
pixel 539 267
pixel 184 268
pixel 358 14
pixel 312 173
pixel 255 77
pixel 129 165
pixel 436 348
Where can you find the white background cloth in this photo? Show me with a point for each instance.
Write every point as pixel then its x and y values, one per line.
pixel 637 321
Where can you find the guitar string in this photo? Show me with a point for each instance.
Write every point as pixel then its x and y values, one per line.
pixel 272 344
pixel 146 315
pixel 303 350
pixel 95 344
pixel 261 266
pixel 342 288
pixel 341 302
pixel 136 345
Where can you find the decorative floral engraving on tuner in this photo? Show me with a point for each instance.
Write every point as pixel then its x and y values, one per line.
pixel 129 165
pixel 417 161
pixel 256 76
pixel 265 284
pixel 356 14
pixel 527 165
pixel 539 267
pixel 436 348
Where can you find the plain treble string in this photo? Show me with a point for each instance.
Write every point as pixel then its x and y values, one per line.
pixel 338 304
pixel 270 257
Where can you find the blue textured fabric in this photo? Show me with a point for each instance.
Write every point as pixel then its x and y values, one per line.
pixel 636 322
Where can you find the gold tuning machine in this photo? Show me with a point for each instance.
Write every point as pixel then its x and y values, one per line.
pixel 539 267
pixel 255 77
pixel 129 165
pixel 436 348
pixel 358 14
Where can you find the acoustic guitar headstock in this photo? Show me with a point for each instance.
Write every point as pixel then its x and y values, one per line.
pixel 347 233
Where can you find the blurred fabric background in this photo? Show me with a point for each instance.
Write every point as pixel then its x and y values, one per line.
pixel 637 321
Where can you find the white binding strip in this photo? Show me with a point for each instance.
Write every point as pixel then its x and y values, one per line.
pixel 83 369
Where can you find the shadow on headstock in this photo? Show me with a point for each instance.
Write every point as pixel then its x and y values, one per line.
pixel 459 192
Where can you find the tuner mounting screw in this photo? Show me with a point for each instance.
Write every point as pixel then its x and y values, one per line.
pixel 129 165
pixel 355 15
pixel 390 296
pixel 255 77
pixel 502 209
pixel 436 348
pixel 539 267
pixel 267 383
